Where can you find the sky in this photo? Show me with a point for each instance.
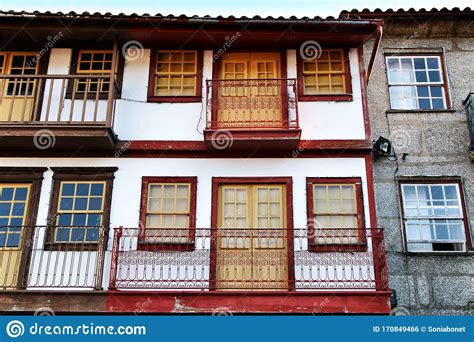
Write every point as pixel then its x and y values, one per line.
pixel 287 8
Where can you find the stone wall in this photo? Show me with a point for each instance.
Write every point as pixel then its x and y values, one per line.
pixel 434 144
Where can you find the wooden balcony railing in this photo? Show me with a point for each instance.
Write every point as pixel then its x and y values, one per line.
pixel 41 257
pixel 252 104
pixel 249 259
pixel 57 100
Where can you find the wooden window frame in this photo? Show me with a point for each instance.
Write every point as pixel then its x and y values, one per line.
pixel 431 181
pixel 444 75
pixel 361 246
pixel 79 174
pixel 158 246
pixel 60 211
pixel 73 71
pixel 151 80
pixel 33 176
pixel 348 96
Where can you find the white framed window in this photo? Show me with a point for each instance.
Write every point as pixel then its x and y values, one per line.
pixel 416 82
pixel 433 216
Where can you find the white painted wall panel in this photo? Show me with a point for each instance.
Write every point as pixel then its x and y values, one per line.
pixel 127 191
pixel 136 119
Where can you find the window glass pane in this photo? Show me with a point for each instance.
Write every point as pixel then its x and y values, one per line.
pixel 176 73
pixel 429 211
pixel 77 207
pixel 168 206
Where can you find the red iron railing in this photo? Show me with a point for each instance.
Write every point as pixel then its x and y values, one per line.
pixel 248 259
pixel 252 104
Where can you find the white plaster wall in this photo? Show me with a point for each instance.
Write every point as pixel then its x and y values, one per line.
pixel 331 120
pixel 136 119
pixel 127 187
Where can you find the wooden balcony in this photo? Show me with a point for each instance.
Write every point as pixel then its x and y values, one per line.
pixel 251 114
pixel 57 112
pixel 40 258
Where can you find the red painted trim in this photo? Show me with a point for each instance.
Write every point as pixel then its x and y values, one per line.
pixel 288 182
pixel 371 192
pixel 192 214
pixel 325 97
pixel 151 97
pixel 364 94
pixel 357 181
pixel 304 302
pixel 195 146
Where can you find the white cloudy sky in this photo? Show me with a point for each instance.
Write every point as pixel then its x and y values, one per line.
pixel 216 7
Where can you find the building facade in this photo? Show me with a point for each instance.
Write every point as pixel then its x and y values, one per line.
pixel 187 164
pixel 421 85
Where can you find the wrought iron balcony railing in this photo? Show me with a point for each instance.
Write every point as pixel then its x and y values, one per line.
pixel 248 259
pixel 33 257
pixel 57 100
pixel 252 104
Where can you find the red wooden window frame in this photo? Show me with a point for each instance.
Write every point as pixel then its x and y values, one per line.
pixel 431 181
pixel 151 81
pixel 142 245
pixel 325 97
pixel 362 244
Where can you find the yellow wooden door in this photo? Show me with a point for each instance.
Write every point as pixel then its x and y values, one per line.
pixel 252 238
pixel 13 210
pixel 251 97
pixel 17 95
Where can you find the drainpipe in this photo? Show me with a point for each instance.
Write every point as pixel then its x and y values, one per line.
pixel 375 49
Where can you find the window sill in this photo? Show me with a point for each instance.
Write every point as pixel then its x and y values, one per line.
pixel 335 98
pixel 456 254
pixel 174 99
pixel 422 111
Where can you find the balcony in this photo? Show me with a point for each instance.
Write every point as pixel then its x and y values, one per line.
pixel 252 113
pixel 469 105
pixel 267 265
pixel 57 112
pixel 32 259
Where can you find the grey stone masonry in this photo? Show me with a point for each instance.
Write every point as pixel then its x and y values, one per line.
pixel 428 144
